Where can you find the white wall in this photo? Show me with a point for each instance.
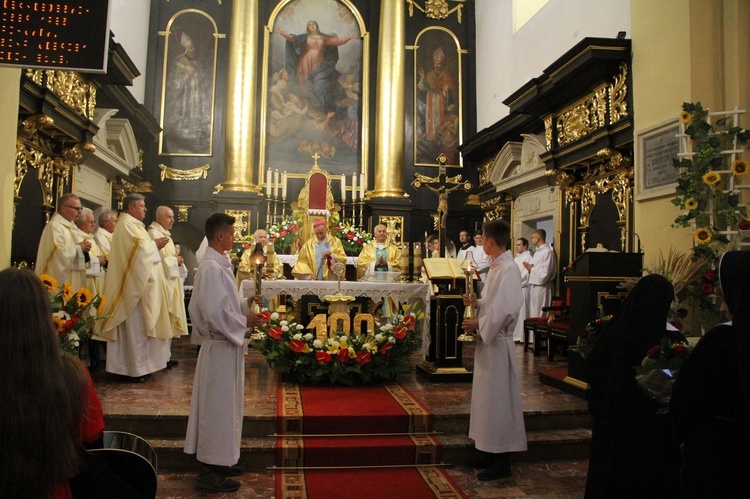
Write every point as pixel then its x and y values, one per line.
pixel 506 61
pixel 128 20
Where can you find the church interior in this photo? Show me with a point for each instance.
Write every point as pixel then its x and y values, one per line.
pixel 428 118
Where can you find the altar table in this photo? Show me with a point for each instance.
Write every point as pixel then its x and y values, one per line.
pixel 399 292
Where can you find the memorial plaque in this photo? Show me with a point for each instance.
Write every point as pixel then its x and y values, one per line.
pixel 658 146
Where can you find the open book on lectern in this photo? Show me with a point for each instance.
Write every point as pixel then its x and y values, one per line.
pixel 443 268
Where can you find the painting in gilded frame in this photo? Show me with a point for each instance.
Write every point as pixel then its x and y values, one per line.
pixel 188 83
pixel 315 91
pixel 438 109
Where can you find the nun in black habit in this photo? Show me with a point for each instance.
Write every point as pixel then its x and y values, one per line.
pixel 711 398
pixel 632 452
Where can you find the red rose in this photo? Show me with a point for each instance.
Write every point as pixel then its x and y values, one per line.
pixel 343 355
pixel 297 345
pixel 386 348
pixel 246 245
pixel 282 233
pixel 707 288
pixel 293 228
pixel 654 352
pixel 363 357
pixel 409 321
pixel 709 275
pixel 265 316
pixel 350 236
pixel 679 350
pixel 744 225
pixel 360 242
pixel 275 239
pixel 275 332
pixel 68 324
pixel 323 357
pixel 400 333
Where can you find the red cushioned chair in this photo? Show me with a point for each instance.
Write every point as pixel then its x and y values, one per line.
pixel 550 329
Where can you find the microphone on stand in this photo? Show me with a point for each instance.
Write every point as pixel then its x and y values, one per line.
pixel 623 230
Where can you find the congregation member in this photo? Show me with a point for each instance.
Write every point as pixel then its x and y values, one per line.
pixel 632 453
pixel 466 245
pixel 175 271
pixel 523 255
pixel 137 325
pixel 221 318
pixel 273 267
pixel 95 259
pixel 481 257
pixel 378 254
pixel 317 256
pixel 711 397
pixel 60 254
pixel 103 234
pixel 542 272
pixel 496 418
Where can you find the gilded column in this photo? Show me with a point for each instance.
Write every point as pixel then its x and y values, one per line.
pixel 241 101
pixel 389 120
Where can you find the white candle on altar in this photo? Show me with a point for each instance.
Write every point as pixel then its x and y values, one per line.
pixel 343 188
pixel 283 185
pixel 361 186
pixel 268 183
pixel 276 183
pixel 354 186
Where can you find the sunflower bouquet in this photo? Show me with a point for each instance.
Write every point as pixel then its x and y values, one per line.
pixel 74 313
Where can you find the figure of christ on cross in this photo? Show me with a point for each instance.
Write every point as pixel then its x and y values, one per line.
pixel 442 185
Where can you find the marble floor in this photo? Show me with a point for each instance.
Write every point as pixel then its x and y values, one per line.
pixel 167 394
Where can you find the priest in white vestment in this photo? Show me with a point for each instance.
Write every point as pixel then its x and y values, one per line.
pixel 496 422
pixel 523 255
pixel 103 235
pixel 60 254
pixel 542 272
pixel 96 260
pixel 173 266
pixel 137 325
pixel 221 318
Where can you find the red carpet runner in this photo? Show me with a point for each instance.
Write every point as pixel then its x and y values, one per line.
pixel 363 442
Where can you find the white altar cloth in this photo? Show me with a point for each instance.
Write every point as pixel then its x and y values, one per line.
pixel 291 260
pixel 399 292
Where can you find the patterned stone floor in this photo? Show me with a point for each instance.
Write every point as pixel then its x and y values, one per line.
pixel 167 393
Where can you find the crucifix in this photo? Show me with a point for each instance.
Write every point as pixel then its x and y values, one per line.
pixel 442 185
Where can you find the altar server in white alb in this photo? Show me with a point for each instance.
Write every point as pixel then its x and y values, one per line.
pixel 59 255
pixel 542 272
pixel 496 423
pixel 523 255
pixel 221 318
pixel 137 323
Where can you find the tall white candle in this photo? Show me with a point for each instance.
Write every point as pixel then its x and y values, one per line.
pixel 268 183
pixel 354 187
pixel 361 186
pixel 283 185
pixel 343 188
pixel 276 183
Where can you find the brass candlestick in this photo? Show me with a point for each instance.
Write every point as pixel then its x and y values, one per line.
pixel 469 311
pixel 259 259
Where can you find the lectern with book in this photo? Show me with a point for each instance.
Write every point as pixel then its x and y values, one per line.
pixel 444 359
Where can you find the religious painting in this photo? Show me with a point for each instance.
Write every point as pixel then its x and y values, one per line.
pixel 438 109
pixel 314 100
pixel 188 81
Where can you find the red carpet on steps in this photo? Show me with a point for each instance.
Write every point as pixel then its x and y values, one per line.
pixel 374 441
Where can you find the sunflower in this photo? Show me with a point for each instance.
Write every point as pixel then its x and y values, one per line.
pixel 685 117
pixel 691 204
pixel 59 324
pixel 100 308
pixel 67 291
pixel 739 167
pixel 702 236
pixel 711 178
pixel 83 297
pixel 49 282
